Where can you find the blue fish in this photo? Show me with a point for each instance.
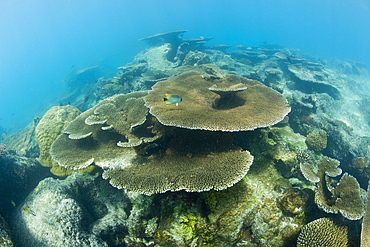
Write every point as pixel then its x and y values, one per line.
pixel 172 99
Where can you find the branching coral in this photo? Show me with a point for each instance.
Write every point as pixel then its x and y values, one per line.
pixel 343 197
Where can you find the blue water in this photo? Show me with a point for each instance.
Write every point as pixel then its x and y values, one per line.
pixel 42 40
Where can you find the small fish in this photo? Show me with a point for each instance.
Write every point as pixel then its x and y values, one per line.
pixel 13 203
pixel 28 211
pixel 172 99
pixel 108 85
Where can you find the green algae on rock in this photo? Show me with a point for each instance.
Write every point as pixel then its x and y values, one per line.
pixel 246 213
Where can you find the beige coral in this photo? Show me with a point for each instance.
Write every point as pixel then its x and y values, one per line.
pixel 323 232
pixel 193 161
pixel 230 103
pixel 99 134
pixel 48 129
pixel 365 229
pixel 344 197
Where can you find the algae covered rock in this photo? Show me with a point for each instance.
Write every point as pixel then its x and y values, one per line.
pixel 5 240
pixel 48 129
pixel 247 213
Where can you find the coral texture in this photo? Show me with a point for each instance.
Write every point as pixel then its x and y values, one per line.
pixel 48 129
pixel 323 232
pixel 365 229
pixel 193 160
pixel 344 197
pixel 237 103
pixel 317 141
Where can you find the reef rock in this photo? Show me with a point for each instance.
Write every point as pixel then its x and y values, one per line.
pixel 78 211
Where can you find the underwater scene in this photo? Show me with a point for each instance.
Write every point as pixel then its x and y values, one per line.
pixel 185 123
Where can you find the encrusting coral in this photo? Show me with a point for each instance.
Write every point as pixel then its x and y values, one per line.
pixel 237 103
pixel 317 141
pixel 323 232
pixel 48 129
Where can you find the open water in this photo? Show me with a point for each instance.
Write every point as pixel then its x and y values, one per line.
pixel 43 41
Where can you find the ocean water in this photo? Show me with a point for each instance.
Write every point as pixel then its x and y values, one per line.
pixel 43 41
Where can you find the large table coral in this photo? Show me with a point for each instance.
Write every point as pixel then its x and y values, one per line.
pixel 139 154
pixel 231 103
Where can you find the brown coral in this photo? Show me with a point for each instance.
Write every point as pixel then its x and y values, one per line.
pixel 323 232
pixel 120 113
pixel 344 197
pixel 48 129
pixel 317 141
pixel 98 135
pixel 228 104
pixel 214 164
pixel 365 231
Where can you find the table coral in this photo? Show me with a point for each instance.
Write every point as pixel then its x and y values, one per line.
pixel 251 106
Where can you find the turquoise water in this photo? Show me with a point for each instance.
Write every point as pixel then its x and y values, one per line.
pixel 43 41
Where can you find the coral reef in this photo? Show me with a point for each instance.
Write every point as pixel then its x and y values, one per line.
pixel 365 229
pixel 5 240
pixel 77 213
pixel 23 142
pixel 323 232
pixel 193 160
pixel 247 214
pixel 48 129
pixel 237 103
pixel 161 38
pixel 331 196
pixel 176 163
pixel 100 133
pixel 267 207
pixel 3 149
pixel 317 141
